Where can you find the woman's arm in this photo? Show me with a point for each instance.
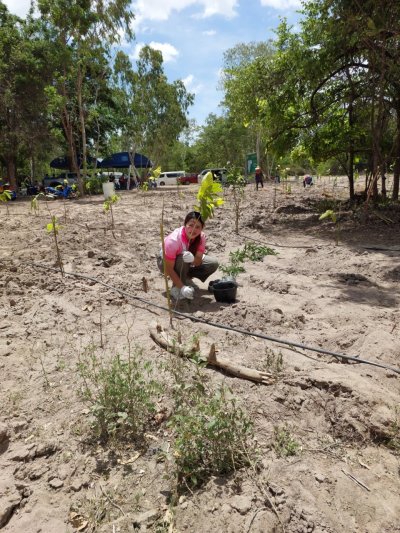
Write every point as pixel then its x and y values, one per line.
pixel 170 268
pixel 198 259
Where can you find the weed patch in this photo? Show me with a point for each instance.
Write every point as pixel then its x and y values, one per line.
pixel 284 444
pixel 273 362
pixel 120 394
pixel 213 435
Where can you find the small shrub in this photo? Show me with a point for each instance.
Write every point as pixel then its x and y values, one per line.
pixel 251 252
pixel 273 362
pixel 394 440
pixel 94 184
pixel 119 392
pixel 284 444
pixel 256 252
pixel 212 433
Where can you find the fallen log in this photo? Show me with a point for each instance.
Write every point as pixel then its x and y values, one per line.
pixel 175 346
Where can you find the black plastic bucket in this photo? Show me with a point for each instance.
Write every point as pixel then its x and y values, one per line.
pixel 223 290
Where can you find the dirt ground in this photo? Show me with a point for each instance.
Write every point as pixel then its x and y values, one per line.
pixel 345 416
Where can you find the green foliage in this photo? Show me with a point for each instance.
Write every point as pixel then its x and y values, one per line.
pixel 212 434
pixel 329 214
pixel 119 393
pixel 153 111
pixel 5 196
pixel 35 203
pixel 93 184
pixel 236 180
pixel 332 215
pixel 251 252
pixel 232 269
pixel 209 197
pixel 110 201
pixel 257 252
pixel 284 444
pixel 53 226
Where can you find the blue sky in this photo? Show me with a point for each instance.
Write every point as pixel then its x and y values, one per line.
pixel 193 35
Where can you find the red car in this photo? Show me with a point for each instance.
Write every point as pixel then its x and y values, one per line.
pixel 187 179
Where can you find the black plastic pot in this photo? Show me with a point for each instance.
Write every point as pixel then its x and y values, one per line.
pixel 223 290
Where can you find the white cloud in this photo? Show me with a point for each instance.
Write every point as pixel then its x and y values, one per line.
pixel 18 7
pixel 282 4
pixel 191 86
pixel 209 32
pixel 161 9
pixel 169 52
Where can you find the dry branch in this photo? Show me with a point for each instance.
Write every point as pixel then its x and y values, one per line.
pixel 176 347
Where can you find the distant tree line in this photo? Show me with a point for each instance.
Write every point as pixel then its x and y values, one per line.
pixel 322 99
pixel 328 93
pixel 61 88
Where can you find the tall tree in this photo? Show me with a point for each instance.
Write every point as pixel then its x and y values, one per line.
pixel 83 30
pixel 25 68
pixel 243 81
pixel 155 111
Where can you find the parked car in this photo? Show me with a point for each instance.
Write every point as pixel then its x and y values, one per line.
pixel 170 178
pixel 219 174
pixel 54 181
pixel 188 178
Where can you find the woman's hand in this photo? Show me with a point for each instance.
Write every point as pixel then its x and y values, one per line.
pixel 188 257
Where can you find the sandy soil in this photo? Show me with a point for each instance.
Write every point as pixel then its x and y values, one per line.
pixel 344 415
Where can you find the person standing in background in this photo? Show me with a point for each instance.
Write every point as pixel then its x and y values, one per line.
pixel 259 177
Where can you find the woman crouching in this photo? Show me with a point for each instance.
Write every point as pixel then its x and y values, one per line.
pixel 185 257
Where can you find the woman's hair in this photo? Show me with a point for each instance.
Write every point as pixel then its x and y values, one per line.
pixel 194 244
pixel 194 215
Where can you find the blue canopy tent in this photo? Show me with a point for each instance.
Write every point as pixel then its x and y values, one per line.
pixel 123 160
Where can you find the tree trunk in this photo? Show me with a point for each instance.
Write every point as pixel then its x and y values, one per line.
pixel 11 165
pixel 396 169
pixel 350 170
pixel 81 187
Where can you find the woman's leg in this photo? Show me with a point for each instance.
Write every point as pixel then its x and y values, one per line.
pixel 185 271
pixel 202 272
pixel 181 268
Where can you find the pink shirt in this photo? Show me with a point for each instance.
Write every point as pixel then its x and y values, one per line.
pixel 177 242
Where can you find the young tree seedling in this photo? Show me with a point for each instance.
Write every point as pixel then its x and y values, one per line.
pixel 5 196
pixel 238 183
pixel 165 270
pixel 108 208
pixel 53 227
pixel 35 203
pixel 209 197
pixel 250 252
pixel 332 215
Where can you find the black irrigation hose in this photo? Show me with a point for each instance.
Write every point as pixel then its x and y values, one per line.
pixel 223 326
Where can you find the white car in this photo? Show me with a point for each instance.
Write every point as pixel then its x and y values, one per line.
pixel 170 178
pixel 220 174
